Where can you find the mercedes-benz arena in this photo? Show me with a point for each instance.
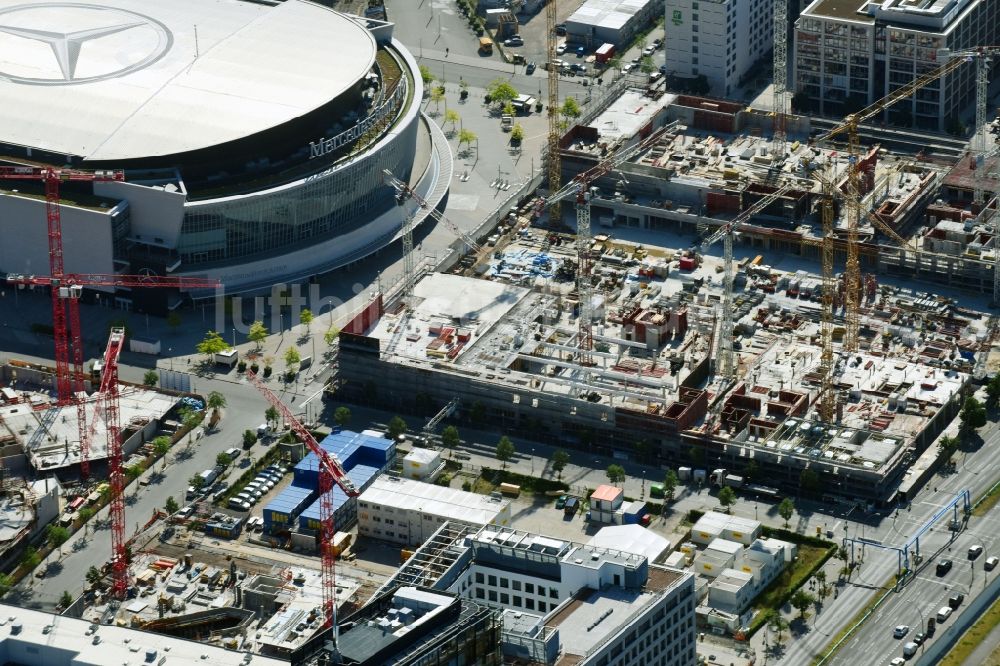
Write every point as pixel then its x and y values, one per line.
pixel 253 137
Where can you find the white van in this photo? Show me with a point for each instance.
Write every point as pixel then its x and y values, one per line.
pixel 944 614
pixel 909 650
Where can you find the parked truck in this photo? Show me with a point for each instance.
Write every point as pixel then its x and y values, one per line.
pixel 605 53
pixel 722 477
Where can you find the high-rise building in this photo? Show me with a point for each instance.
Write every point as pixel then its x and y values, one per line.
pixel 717 39
pixel 850 53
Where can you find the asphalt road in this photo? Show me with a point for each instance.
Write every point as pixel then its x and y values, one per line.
pixel 92 547
pixel 873 642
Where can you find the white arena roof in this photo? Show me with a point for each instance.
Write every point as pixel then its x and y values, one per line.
pixel 127 79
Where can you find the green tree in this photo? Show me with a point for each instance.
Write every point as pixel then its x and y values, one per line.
pixel 508 108
pixel 331 335
pixel 570 108
pixel 776 623
pixel 223 460
pixel 669 485
pixel 150 378
pixel 292 358
pixel 505 450
pixel 65 599
pixel 271 414
pixel 197 482
pixel 212 344
pixel 249 437
pixel 800 601
pixel 727 497
pixel 821 577
pixel 171 506
pixel 697 455
pixel 785 509
pixel 161 445
pixel 425 74
pixel 93 575
pixel 517 133
pixel 451 116
pixel 450 438
pixel 216 400
pixel 30 557
pixel 86 513
pixel 993 392
pixel 437 96
pixel 56 535
pixel 174 320
pixel 342 415
pixel 258 333
pixel 972 416
pixel 947 446
pixel 5 584
pixel 501 91
pixel 808 480
pixel 646 65
pixel 559 461
pixel 397 426
pixel 133 472
pixel 306 317
pixel 616 473
pixel 467 137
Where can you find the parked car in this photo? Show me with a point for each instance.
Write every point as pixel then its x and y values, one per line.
pixel 975 551
pixel 233 453
pixel 236 504
pixel 991 563
pixel 530 69
pixel 943 567
pixel 657 43
pixel 627 68
pixel 578 67
pixel 516 40
pixel 919 638
pixel 561 501
pixel 897 661
pixel 944 613
pixel 648 51
pixel 956 600
pixel 561 49
pixel 900 631
pixel 560 28
pixel 910 649
pixel 580 51
pixel 571 506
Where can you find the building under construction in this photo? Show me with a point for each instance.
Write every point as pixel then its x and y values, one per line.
pixel 507 346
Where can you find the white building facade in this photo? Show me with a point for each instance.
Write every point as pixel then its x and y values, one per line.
pixel 848 56
pixel 717 39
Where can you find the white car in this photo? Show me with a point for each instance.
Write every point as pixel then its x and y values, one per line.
pixel 900 631
pixel 897 661
pixel 561 49
pixel 627 68
pixel 514 41
pixel 648 51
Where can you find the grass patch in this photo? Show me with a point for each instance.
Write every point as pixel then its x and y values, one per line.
pixel 810 558
pixel 528 484
pixel 482 486
pixel 971 639
pixel 987 501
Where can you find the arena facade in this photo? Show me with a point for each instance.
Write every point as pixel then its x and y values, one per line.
pixel 253 137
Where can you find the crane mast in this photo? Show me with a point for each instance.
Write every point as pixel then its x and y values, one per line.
pixel 330 472
pixel 554 159
pixel 780 77
pixel 585 285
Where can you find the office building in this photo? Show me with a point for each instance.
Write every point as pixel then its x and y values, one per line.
pixel 717 39
pixel 849 54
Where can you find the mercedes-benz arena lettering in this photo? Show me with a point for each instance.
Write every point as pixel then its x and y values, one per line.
pixel 253 137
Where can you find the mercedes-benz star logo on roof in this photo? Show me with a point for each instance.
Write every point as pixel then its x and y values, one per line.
pixel 71 30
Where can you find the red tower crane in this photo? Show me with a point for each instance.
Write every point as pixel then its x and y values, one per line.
pixel 330 472
pixel 108 399
pixel 67 288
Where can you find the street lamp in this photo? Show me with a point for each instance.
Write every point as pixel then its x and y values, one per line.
pixel 169 350
pixel 642 489
pixel 532 461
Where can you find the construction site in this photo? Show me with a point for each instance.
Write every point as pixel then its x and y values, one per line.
pixel 799 356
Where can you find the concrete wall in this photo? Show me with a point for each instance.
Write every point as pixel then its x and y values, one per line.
pixel 156 213
pixel 24 249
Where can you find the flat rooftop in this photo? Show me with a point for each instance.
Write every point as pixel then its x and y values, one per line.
pixel 590 621
pixel 449 503
pixel 158 79
pixel 449 314
pixel 627 114
pixel 34 638
pixel 52 440
pixel 839 9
